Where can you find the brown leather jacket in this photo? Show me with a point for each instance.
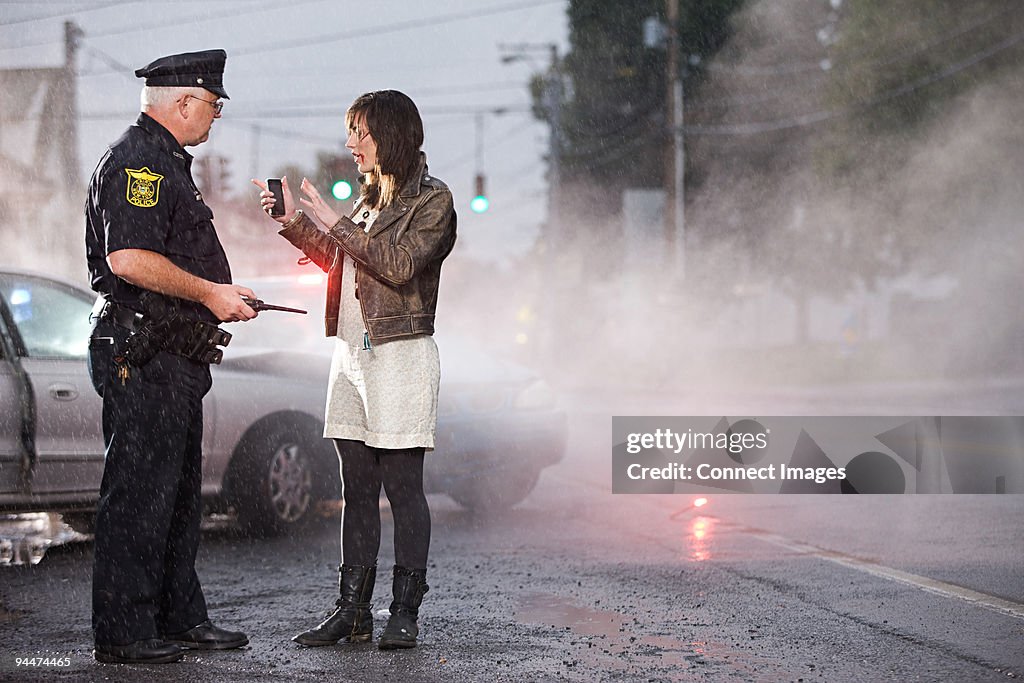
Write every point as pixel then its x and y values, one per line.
pixel 398 263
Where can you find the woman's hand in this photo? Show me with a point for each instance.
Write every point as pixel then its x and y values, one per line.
pixel 267 200
pixel 317 205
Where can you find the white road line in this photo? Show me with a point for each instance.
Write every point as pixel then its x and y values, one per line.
pixel 947 590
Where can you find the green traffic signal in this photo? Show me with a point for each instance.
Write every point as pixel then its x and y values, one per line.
pixel 341 190
pixel 479 204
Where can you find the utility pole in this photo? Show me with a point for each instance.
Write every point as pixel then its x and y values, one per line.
pixel 68 118
pixel 56 143
pixel 675 212
pixel 553 95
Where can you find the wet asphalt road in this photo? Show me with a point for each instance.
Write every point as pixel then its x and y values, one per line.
pixel 577 584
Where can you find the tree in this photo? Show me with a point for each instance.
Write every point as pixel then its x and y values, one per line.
pixel 906 71
pixel 613 122
pixel 899 65
pixel 881 161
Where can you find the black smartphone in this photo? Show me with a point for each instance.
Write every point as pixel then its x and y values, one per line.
pixel 274 185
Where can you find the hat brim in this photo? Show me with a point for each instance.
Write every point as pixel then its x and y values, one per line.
pixel 217 90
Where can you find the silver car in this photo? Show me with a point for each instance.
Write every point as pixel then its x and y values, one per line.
pixel 264 455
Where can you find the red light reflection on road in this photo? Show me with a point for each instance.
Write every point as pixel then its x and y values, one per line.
pixel 698 541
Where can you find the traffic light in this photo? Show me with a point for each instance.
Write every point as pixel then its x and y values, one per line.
pixel 341 189
pixel 480 203
pixel 337 172
pixel 214 176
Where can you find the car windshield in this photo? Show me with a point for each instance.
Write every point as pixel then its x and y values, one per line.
pixel 52 318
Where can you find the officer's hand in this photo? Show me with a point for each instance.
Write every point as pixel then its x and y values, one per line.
pixel 267 200
pixel 317 205
pixel 225 301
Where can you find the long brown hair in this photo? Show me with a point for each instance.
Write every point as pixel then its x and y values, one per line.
pixel 393 121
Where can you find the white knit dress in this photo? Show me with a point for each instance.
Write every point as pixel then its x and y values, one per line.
pixel 385 396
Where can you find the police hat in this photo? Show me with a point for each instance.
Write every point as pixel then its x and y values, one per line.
pixel 192 69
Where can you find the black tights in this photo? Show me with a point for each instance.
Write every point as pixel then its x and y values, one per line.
pixel 363 470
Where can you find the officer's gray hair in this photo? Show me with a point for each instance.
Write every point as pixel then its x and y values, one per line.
pixel 163 96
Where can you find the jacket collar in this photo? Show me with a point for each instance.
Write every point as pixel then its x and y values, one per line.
pixel 412 183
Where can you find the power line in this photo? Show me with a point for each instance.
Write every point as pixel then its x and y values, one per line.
pixel 806 84
pixel 134 28
pixel 505 138
pixel 282 133
pixel 827 64
pixel 114 64
pixel 628 120
pixel 392 27
pixel 332 112
pixel 615 150
pixel 942 39
pixel 383 28
pixel 278 68
pixel 774 95
pixel 264 7
pixel 820 116
pixel 470 87
pixel 92 7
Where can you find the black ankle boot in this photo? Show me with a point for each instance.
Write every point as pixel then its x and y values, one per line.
pixel 353 620
pixel 408 587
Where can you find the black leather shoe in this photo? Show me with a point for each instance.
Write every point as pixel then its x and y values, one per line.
pixel 152 651
pixel 206 636
pixel 353 620
pixel 408 588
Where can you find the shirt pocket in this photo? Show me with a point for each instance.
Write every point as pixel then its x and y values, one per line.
pixel 194 234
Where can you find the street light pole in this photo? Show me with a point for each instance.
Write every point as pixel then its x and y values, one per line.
pixel 555 236
pixel 479 151
pixel 551 100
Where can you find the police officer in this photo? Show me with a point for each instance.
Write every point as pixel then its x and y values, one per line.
pixel 150 240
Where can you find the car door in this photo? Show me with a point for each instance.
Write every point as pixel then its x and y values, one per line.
pixel 12 450
pixel 52 331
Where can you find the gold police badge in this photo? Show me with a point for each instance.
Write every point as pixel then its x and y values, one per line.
pixel 143 187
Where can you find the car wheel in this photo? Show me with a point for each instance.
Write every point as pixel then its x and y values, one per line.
pixel 494 492
pixel 280 478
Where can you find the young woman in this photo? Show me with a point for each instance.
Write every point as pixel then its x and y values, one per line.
pixel 383 264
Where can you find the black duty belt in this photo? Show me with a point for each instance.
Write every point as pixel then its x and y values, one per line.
pixel 104 309
pixel 193 339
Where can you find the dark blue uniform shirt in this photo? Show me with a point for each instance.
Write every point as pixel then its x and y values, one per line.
pixel 142 196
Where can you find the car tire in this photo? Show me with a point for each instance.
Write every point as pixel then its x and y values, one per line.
pixel 279 476
pixel 494 492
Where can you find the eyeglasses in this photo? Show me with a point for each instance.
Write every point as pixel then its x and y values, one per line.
pixel 359 136
pixel 218 105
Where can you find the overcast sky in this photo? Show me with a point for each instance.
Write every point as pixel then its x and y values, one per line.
pixel 317 56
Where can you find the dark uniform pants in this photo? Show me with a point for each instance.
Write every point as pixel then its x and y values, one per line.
pixel 147 520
